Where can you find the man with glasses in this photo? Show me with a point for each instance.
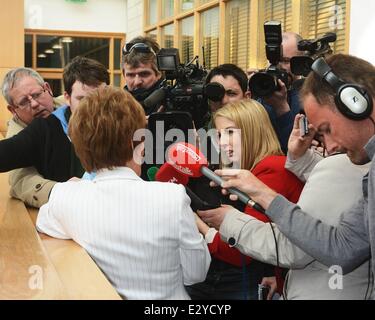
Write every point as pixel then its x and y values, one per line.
pixel 28 97
pixel 140 69
pixel 44 143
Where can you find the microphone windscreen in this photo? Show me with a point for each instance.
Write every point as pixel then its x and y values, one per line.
pixel 151 172
pixel 187 159
pixel 154 98
pixel 167 173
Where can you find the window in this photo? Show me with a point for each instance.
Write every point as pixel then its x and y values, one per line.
pixel 28 51
pixel 153 34
pixel 204 1
pixel 186 5
pixel 328 16
pixel 238 33
pixel 167 8
pixel 187 39
pixel 152 11
pixel 279 10
pixel 210 36
pixel 231 31
pixel 54 50
pixel 167 36
pixel 57 51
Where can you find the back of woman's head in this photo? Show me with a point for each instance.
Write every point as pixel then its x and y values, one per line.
pixel 258 138
pixel 103 126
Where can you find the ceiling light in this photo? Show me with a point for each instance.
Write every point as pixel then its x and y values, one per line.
pixel 67 40
pixel 49 51
pixel 57 46
pixel 42 56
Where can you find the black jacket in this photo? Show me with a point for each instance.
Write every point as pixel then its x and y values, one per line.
pixel 43 145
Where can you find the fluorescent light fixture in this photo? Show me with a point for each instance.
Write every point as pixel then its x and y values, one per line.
pixel 67 40
pixel 42 56
pixel 57 46
pixel 49 51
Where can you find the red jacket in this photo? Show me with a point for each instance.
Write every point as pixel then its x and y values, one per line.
pixel 271 172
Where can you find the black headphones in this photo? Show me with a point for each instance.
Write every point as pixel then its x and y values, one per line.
pixel 352 100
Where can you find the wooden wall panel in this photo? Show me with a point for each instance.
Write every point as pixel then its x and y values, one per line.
pixel 5 115
pixel 12 45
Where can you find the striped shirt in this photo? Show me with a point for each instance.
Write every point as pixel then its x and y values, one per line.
pixel 141 234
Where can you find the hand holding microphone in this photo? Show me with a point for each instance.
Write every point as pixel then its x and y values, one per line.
pixel 188 160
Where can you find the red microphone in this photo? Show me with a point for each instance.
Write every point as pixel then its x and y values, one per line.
pixel 167 173
pixel 188 160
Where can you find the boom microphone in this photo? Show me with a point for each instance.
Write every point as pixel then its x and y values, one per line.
pixel 188 160
pixel 154 98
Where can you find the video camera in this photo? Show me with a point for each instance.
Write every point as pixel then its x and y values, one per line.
pixel 182 89
pixel 264 83
pixel 316 48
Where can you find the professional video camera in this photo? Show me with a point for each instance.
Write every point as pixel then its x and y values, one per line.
pixel 263 84
pixel 315 49
pixel 182 89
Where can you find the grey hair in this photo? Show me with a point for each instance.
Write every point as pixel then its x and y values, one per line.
pixel 14 76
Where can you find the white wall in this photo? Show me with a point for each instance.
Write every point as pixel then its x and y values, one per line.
pixel 362 29
pixel 135 19
pixel 93 15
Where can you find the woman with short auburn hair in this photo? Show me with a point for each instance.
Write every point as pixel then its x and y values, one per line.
pixel 142 235
pixel 102 133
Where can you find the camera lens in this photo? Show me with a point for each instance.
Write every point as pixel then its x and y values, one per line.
pixel 214 91
pixel 262 84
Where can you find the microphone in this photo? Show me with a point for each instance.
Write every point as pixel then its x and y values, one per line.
pixel 167 173
pixel 151 172
pixel 329 37
pixel 154 98
pixel 189 161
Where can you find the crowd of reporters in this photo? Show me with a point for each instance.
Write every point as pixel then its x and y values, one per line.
pixel 143 234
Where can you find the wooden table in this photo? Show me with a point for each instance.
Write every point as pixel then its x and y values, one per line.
pixel 36 266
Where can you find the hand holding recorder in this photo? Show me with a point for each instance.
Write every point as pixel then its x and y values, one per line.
pixel 301 137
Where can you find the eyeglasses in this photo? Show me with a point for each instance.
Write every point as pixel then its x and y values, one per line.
pixel 138 47
pixel 26 102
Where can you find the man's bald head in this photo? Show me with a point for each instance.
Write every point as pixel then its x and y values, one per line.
pixel 290 49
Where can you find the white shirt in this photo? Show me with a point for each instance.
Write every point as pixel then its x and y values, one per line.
pixel 141 234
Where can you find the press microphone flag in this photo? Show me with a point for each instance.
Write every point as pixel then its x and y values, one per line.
pixel 167 173
pixel 188 160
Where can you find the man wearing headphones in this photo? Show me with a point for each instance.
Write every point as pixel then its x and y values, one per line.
pixel 140 68
pixel 338 100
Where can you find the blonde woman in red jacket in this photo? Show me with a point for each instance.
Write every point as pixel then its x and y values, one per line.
pixel 247 140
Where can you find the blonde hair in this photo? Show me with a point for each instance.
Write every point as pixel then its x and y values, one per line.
pixel 102 128
pixel 258 138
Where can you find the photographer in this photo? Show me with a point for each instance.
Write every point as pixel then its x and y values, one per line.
pixel 234 81
pixel 140 69
pixel 234 84
pixel 283 105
